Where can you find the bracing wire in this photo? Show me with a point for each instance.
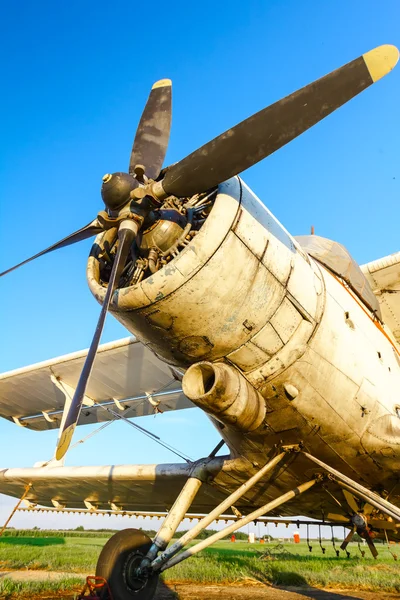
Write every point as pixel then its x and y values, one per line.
pixel 142 430
pixel 147 433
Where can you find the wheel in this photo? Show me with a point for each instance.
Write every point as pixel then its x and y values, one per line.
pixel 117 564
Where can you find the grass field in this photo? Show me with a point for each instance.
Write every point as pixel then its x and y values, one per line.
pixel 10 589
pixel 224 562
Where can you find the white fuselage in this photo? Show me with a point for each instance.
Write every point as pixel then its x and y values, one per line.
pixel 244 292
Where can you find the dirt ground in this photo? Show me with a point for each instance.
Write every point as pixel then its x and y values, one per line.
pixel 185 591
pixel 38 575
pixel 261 592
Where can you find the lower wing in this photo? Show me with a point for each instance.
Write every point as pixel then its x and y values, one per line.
pixel 147 488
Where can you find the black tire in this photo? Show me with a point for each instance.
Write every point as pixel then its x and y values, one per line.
pixel 117 561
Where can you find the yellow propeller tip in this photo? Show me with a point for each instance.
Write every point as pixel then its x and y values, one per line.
pixel 162 83
pixel 59 454
pixel 64 442
pixel 381 60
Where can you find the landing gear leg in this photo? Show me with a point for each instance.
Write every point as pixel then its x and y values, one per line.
pixel 119 562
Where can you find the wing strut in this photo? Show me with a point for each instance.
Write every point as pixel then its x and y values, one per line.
pixel 16 507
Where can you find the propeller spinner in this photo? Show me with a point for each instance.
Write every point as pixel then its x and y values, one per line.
pixel 130 197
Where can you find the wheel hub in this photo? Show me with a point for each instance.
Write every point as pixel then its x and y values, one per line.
pixel 135 579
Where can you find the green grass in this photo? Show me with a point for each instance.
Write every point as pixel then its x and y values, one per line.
pixel 222 563
pixel 75 555
pixel 231 563
pixel 17 589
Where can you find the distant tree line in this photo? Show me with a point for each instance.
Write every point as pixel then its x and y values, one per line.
pixel 100 533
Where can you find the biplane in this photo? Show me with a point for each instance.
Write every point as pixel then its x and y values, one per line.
pixel 289 347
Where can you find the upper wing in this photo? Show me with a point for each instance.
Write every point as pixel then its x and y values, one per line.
pixel 383 276
pixel 125 375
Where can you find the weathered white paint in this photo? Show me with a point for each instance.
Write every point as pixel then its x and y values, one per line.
pixel 250 296
pixel 244 293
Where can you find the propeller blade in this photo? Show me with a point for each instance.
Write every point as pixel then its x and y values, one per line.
pixel 368 509
pixel 126 234
pixel 268 130
pixel 337 517
pixel 348 539
pixel 371 546
pixel 351 501
pixel 152 134
pixel 89 230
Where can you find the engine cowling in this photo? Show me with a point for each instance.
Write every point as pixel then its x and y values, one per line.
pixel 240 290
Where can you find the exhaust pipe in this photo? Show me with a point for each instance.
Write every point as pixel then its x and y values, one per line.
pixel 221 391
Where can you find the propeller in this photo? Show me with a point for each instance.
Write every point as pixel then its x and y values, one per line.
pixel 127 232
pixel 265 132
pixel 148 152
pixel 89 230
pixel 152 135
pixel 130 197
pixel 149 146
pixel 362 528
pixel 147 156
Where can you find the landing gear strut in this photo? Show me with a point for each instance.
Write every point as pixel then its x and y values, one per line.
pixel 131 562
pixel 119 562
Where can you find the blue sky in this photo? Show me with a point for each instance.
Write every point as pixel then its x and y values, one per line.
pixel 75 77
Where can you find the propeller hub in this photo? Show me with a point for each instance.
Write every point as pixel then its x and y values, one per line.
pixel 116 189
